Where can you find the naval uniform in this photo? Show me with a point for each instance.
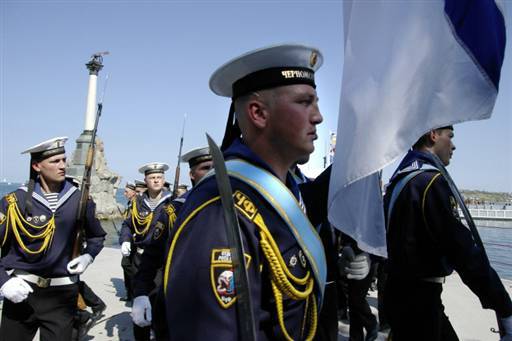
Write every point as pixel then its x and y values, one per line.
pixel 42 261
pixel 126 264
pixel 143 228
pixel 148 279
pixel 200 297
pixel 426 242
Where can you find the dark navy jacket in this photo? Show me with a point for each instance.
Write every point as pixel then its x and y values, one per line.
pixel 427 239
pixel 198 307
pixel 155 230
pixel 52 262
pixel 153 258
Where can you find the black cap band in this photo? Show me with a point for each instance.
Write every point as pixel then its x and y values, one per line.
pixel 273 77
pixel 197 160
pixel 40 156
pixel 153 171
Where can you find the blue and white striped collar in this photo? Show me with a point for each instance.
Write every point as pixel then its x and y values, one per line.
pixel 68 188
pixel 165 195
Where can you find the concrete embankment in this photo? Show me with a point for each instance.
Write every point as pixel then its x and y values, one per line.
pixel 105 277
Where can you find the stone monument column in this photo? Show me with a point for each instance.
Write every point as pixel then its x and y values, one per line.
pixel 104 182
pixel 84 140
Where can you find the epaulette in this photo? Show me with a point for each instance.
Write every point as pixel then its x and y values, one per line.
pixel 11 198
pixel 74 180
pixel 245 205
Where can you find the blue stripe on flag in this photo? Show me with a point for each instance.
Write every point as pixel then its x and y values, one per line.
pixel 480 26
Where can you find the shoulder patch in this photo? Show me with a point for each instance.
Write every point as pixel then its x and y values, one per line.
pixel 159 229
pixel 75 181
pixel 245 205
pixel 222 277
pixel 3 217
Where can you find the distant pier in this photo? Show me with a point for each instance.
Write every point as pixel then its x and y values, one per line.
pixel 489 213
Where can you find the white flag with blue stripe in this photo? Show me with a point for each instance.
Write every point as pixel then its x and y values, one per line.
pixel 410 66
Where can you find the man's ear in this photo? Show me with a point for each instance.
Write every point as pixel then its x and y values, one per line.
pixel 35 166
pixel 433 136
pixel 257 113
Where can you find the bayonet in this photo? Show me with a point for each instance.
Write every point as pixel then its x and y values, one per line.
pixel 177 172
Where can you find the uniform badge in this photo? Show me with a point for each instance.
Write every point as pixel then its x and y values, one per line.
pixel 159 229
pixel 454 207
pixel 313 59
pixel 302 258
pixel 144 213
pixel 222 277
pixel 35 219
pixel 29 219
pixel 42 218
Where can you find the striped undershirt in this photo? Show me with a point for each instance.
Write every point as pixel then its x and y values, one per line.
pixel 52 199
pixel 153 203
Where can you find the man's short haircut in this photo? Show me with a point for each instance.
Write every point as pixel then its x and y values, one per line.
pixel 424 140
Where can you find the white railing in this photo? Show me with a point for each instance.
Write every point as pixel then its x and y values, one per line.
pixel 480 213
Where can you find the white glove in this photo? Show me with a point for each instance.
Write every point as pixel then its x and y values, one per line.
pixel 78 265
pixel 141 311
pixel 126 248
pixel 354 267
pixel 16 290
pixel 506 323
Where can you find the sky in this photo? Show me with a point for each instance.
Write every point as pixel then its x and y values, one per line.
pixel 162 54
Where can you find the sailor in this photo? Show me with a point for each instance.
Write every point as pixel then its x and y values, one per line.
pixel 426 242
pixel 129 191
pixel 141 226
pixel 38 278
pixel 182 189
pixel 276 104
pixel 143 312
pixel 126 263
pixel 140 186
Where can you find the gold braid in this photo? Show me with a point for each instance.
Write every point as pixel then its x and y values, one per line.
pixel 284 282
pixel 171 212
pixel 137 220
pixel 17 222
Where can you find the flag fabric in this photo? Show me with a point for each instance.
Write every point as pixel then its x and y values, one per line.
pixel 409 67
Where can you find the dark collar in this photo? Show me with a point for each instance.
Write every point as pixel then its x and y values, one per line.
pixel 238 149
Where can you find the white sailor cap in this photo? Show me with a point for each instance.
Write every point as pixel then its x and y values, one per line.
pixel 140 183
pixel 47 148
pixel 196 156
pixel 130 185
pixel 154 167
pixel 266 68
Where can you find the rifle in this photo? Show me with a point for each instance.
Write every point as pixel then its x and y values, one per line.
pixel 86 184
pixel 177 172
